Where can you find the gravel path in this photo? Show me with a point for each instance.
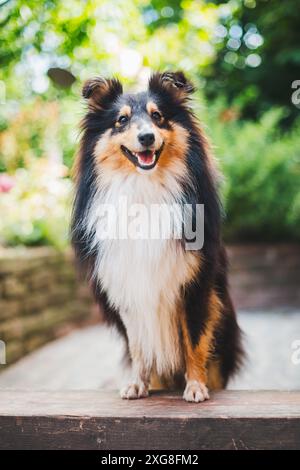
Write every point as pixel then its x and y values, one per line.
pixel 90 358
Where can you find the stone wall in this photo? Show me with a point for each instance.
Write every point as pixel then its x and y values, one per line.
pixel 265 276
pixel 40 298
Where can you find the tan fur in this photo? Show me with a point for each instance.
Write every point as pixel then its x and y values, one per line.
pixel 151 107
pixel 175 149
pixel 215 380
pixel 156 382
pixel 109 156
pixel 75 171
pixel 196 358
pixel 124 111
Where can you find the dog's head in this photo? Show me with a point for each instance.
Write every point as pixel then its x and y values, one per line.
pixel 138 132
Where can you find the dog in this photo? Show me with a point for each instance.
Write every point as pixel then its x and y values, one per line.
pixel 171 305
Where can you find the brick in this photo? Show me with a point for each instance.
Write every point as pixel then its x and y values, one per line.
pixel 14 287
pixel 10 308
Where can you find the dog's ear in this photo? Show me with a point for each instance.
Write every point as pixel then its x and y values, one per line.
pixel 101 92
pixel 174 83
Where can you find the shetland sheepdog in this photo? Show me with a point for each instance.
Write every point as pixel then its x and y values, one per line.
pixel 170 304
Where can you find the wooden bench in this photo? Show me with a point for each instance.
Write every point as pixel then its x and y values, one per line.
pixel 101 420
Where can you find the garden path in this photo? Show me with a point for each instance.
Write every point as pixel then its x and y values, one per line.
pixel 90 358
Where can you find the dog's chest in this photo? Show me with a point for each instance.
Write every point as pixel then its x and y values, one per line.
pixel 143 280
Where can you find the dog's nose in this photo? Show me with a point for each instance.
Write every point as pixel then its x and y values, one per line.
pixel 146 139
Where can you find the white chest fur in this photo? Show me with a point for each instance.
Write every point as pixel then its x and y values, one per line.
pixel 143 278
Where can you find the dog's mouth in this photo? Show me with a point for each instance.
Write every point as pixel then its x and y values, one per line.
pixel 146 160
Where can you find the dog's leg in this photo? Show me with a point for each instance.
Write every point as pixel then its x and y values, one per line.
pixel 197 356
pixel 138 383
pixel 196 372
pixel 138 375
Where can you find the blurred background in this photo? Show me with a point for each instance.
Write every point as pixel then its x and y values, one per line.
pixel 244 57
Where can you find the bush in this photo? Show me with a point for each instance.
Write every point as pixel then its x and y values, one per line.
pixel 35 205
pixel 38 129
pixel 261 189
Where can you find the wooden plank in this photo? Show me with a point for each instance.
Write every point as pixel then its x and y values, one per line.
pixel 101 420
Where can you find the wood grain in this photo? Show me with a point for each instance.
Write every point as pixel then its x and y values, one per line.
pixel 101 420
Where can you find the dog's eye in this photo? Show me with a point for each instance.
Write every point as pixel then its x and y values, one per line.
pixel 123 120
pixel 156 116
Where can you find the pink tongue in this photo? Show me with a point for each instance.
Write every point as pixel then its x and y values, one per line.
pixel 146 157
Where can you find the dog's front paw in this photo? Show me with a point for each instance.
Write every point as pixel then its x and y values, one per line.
pixel 134 390
pixel 195 391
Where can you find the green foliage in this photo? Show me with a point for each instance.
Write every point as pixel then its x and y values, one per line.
pixel 258 56
pixel 37 207
pixel 235 48
pixel 40 129
pixel 261 189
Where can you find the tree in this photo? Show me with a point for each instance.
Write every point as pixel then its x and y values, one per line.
pixel 258 56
